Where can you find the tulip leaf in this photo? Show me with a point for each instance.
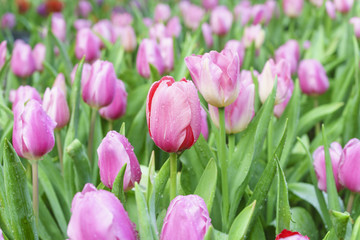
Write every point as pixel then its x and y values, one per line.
pixel 50 69
pixel 4 215
pixel 210 234
pixel 257 232
pixel 302 221
pixel 340 221
pixel 161 179
pixel 122 129
pixel 118 186
pixel 116 56
pixel 65 56
pixel 154 73
pixel 241 223
pixel 19 205
pixel 207 184
pixel 283 215
pixel 351 125
pixel 203 151
pixel 150 180
pixel 49 45
pixel 356 230
pixel 6 110
pixel 6 134
pixel 106 42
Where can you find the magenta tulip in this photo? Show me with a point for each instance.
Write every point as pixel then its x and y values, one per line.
pixel 242 12
pixel 288 235
pixel 280 108
pixel 207 34
pixel 157 31
pixel 312 77
pixel 320 167
pixel 33 133
pixel 253 34
pixel 22 60
pixel 173 27
pixel 221 20
pixel 98 214
pixel 167 53
pixel 238 47
pixel 84 8
pixel 149 53
pixel 349 166
pixel 258 12
pixel 39 52
pixel 290 52
pixel 186 218
pixel 117 107
pixel 173 114
pixel 330 9
pixel 121 19
pixel 2 53
pixel 58 26
pixel 216 76
pixel 8 21
pixel 22 95
pixel 88 44
pixel 104 29
pixel 209 4
pixel 148 22
pixel 343 6
pixel 162 12
pixel 204 125
pixel 355 21
pixel 99 89
pixel 60 83
pixel 128 38
pixel 293 8
pixel 82 23
pixel 192 14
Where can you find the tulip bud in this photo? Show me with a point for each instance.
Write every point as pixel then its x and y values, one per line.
pixel 288 235
pixel 56 106
pixel 84 74
pixel 82 23
pixel 290 52
pixel 281 70
pixel 238 47
pixel 2 53
pixel 204 125
pixel 99 89
pixel 60 83
pixel 98 214
pixel 162 12
pixel 114 151
pixel 186 218
pixel 84 8
pixel 1 235
pixel 121 19
pixel 207 33
pixel 117 107
pixel 343 6
pixel 317 3
pixel 271 10
pixel 8 21
pixel 173 27
pixel 149 53
pixel 239 114
pixel 221 20
pixel 22 95
pixel 33 133
pixel 104 29
pixel 39 56
pixel 22 60
pixel 157 31
pixel 312 77
pixel 242 12
pixel 127 37
pixel 41 10
pixel 58 26
pixel 216 76
pixel 330 9
pixel 167 53
pixel 258 12
pixel 293 8
pixel 88 44
pixel 253 34
pixel 173 114
pixel 280 108
pixel 320 167
pixel 192 14
pixel 148 22
pixel 210 4
pixel 349 166
pixel 355 21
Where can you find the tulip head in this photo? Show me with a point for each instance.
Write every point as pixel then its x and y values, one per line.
pixel 167 53
pixel 349 165
pixel 162 12
pixel 60 83
pixel 290 52
pixel 280 108
pixel 192 14
pixel 88 44
pixel 84 74
pixel 221 20
pixel 253 34
pixel 209 4
pixel 39 56
pixel 149 53
pixel 22 60
pixel 317 3
pixel 173 27
pixel 104 29
pixel 173 114
pixel 243 12
pixel 22 95
pixel 117 107
pixel 330 9
pixel 8 21
pixel 84 8
pixel 204 125
pixel 82 23
pixel 312 77
pixel 207 34
pixel 343 6
pixel 293 8
pixel 355 21
pixel 288 235
pixel 58 26
pixel 238 47
pixel 121 19
pixel 128 38
pixel 2 53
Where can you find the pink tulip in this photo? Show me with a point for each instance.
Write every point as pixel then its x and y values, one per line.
pixel 98 214
pixel 84 74
pixel 99 89
pixel 317 3
pixel 58 26
pixel 210 4
pixel 173 114
pixel 355 21
pixel 148 22
pixel 238 47
pixel 242 12
pixel 33 133
pixel 204 125
pixel 173 27
pixel 349 165
pixel 88 44
pixel 320 167
pixel 121 19
pixel 162 12
pixel 104 29
pixel 312 77
pixel 207 34
pixel 127 38
pixel 157 31
pixel 1 235
pixel 272 10
pixel 258 12
pixel 8 21
pixel 22 95
pixel 288 235
pixel 186 218
pixel 280 108
pixel 216 76
pixel 192 14
pixel 2 53
pixel 293 8
pixel 149 53
pixel 290 52
pixel 239 114
pixel 60 83
pixel 84 8
pixel 117 107
pixel 114 151
pixel 22 60
pixel 39 53
pixel 167 53
pixel 82 23
pixel 221 20
pixel 330 9
pixel 253 34
pixel 343 6
pixel 281 70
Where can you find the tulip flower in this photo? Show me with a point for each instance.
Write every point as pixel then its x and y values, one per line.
pixel 239 114
pixel 1 235
pixel 22 60
pixel 216 76
pixel 148 22
pixel 293 8
pixel 272 9
pixel 98 214
pixel 149 53
pixel 280 108
pixel 290 52
pixel 317 3
pixel 8 21
pixel 127 37
pixel 242 12
pixel 186 218
pixel 288 235
pixel 173 114
pixel 84 74
pixel 343 6
pixel 192 14
pixel 162 12
pixel 39 56
pixel 58 26
pixel 114 151
pixel 355 21
pixel 210 4
pixel 99 89
pixel 312 77
pixel 41 10
pixel 84 8
pixel 253 34
pixel 2 53
pixel 238 47
pixel 207 34
pixel 221 20
pixel 204 125
pixel 258 12
pixel 117 107
pixel 281 70
pixel 88 44
pixel 320 167
pixel 121 19
pixel 167 53
pixel 104 29
pixel 82 23
pixel 330 9
pixel 157 31
pixel 173 27
pixel 349 165
pixel 60 83
pixel 22 95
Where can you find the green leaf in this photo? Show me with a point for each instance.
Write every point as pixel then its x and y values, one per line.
pixel 154 73
pixel 150 180
pixel 6 110
pixel 64 55
pixel 257 232
pixel 283 215
pixel 356 230
pixel 241 223
pixel 161 179
pixel 210 234
pixel 203 151
pixel 50 69
pixel 118 186
pixel 18 197
pixel 302 221
pixel 122 129
pixel 4 221
pixel 207 184
pixel 340 221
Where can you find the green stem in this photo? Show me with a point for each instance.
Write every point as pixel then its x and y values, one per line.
pixel 35 182
pixel 59 149
pixel 111 125
pixel 224 167
pixel 173 172
pixel 231 142
pixel 350 202
pixel 317 126
pixel 270 139
pixel 91 135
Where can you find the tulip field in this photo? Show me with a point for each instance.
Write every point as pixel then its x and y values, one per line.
pixel 180 119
